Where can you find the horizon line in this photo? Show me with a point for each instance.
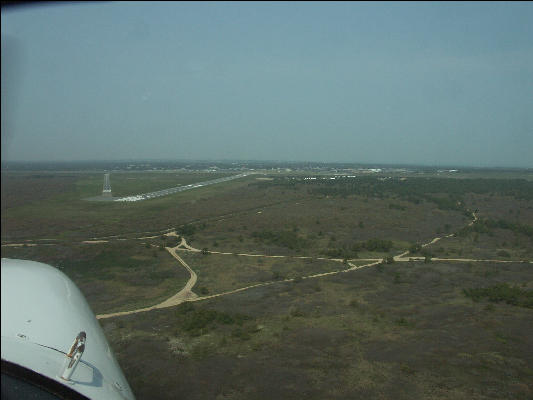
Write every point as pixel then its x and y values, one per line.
pixel 161 160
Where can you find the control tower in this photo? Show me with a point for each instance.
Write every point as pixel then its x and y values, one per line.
pixel 107 186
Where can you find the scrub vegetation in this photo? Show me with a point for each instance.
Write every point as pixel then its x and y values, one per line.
pixel 450 319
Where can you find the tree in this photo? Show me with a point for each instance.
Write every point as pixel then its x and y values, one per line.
pixel 414 248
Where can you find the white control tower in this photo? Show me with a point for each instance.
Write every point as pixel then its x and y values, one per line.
pixel 107 186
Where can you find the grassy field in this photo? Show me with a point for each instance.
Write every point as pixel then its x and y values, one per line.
pixel 427 330
pixel 403 331
pixel 113 276
pixel 221 273
pixel 322 223
pixel 62 213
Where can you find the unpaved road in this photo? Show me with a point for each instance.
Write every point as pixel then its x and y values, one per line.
pixel 187 294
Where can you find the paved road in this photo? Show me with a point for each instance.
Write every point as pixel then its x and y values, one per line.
pixel 166 192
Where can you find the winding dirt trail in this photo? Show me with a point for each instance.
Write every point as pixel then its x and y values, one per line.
pixel 187 294
pixel 352 268
pixel 401 257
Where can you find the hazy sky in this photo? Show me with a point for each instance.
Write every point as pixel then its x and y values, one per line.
pixel 417 83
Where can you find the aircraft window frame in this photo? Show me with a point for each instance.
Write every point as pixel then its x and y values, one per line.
pixel 39 386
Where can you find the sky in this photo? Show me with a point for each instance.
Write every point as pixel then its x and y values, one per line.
pixel 394 83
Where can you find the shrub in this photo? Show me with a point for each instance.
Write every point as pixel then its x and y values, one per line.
pixel 354 303
pixel 241 318
pixel 199 321
pixel 296 312
pixel 402 321
pixel 203 290
pixel 225 319
pixel 289 239
pixel 184 308
pixel 512 295
pixel 503 253
pixel 426 252
pixel 241 334
pixel 377 245
pixel 397 277
pixel 202 350
pixel 276 275
pixel 186 230
pixel 397 207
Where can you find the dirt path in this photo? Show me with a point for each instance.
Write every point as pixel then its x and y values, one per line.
pixel 417 258
pixel 352 268
pixel 186 247
pixel 19 245
pixel 401 257
pixel 185 294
